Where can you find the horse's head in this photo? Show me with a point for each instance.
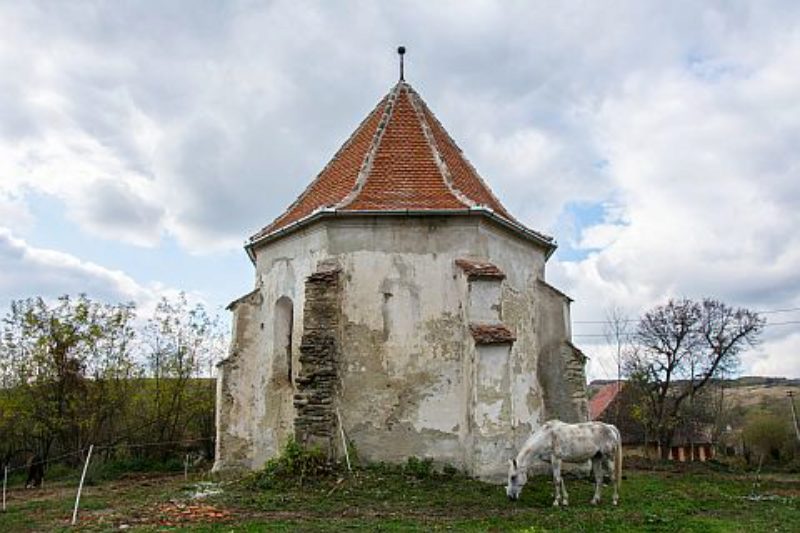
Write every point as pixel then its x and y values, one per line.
pixel 516 479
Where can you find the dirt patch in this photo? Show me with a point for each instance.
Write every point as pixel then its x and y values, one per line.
pixel 175 513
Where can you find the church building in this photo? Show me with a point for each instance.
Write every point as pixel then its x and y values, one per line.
pixel 400 307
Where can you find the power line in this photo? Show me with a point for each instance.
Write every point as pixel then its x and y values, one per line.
pixel 768 324
pixel 765 312
pixel 789 310
pixel 604 321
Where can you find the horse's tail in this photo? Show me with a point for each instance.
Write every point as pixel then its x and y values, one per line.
pixel 618 459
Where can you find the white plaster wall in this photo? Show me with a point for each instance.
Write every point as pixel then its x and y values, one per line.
pixel 485 301
pixel 408 363
pixel 407 307
pixel 492 389
pixel 260 412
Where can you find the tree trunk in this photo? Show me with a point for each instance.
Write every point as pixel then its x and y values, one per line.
pixel 665 441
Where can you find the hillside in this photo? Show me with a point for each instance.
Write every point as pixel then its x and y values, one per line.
pixel 745 391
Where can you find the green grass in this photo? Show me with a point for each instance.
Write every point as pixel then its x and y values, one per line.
pixel 394 499
pixel 652 501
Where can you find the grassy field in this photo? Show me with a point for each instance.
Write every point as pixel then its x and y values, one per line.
pixel 389 499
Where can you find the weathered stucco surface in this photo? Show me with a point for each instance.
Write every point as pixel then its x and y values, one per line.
pixel 411 380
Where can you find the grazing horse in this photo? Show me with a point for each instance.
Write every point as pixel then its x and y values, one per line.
pixel 556 442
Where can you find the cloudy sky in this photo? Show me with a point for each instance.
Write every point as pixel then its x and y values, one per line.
pixel 142 142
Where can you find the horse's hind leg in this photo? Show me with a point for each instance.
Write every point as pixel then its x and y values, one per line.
pixel 615 481
pixel 597 470
pixel 557 481
pixel 609 465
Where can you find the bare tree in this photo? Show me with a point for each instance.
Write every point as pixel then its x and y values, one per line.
pixel 617 335
pixel 681 346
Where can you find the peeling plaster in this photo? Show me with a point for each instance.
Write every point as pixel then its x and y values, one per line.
pixel 411 380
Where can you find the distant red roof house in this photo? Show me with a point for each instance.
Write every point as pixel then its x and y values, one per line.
pixel 602 399
pixel 399 159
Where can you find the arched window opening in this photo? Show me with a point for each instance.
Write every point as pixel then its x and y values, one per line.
pixel 283 337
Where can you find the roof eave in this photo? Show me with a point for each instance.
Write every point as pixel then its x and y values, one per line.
pixel 546 242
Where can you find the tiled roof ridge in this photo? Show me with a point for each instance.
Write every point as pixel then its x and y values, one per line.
pixel 475 174
pixel 369 157
pixel 400 158
pixel 438 158
pixel 267 229
pixel 401 89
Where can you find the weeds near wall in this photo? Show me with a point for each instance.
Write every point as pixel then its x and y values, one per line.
pixel 418 468
pixel 294 467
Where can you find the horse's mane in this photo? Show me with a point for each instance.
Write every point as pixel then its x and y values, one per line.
pixel 538 440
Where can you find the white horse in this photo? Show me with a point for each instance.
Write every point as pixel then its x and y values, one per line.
pixel 556 442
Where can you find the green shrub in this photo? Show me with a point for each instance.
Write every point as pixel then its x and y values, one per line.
pixel 449 471
pixel 118 468
pixel 793 466
pixel 419 468
pixel 294 466
pixel 59 472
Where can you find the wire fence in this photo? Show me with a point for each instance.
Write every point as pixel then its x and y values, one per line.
pixel 87 453
pixel 81 452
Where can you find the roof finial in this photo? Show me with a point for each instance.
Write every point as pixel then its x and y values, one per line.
pixel 401 50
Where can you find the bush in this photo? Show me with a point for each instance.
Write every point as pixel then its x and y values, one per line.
pixel 419 468
pixel 449 471
pixel 766 434
pixel 114 469
pixel 294 466
pixel 793 466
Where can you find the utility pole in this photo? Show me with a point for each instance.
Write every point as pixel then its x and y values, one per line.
pixel 790 394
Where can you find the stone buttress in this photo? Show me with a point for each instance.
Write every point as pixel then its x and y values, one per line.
pixel 318 379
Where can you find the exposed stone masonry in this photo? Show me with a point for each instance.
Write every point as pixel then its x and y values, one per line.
pixel 317 382
pixel 575 374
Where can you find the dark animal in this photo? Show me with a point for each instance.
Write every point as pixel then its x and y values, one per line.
pixel 35 472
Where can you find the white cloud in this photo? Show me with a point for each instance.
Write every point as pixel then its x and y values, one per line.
pixel 777 357
pixel 29 271
pixel 14 212
pixel 202 123
pixel 708 179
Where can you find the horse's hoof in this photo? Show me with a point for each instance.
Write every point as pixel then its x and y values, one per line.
pixel 555 503
pixel 594 502
pixel 566 503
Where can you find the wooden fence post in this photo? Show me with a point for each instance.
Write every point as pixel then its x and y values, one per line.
pixel 5 481
pixel 344 440
pixel 80 486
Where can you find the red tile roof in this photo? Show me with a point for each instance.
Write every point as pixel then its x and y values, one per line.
pixel 337 179
pixel 602 399
pixel 480 269
pixel 399 158
pixel 491 334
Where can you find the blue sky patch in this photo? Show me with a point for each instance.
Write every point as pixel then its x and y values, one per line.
pixel 573 219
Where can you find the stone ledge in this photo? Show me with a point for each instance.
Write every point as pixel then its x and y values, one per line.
pixel 476 270
pixel 491 334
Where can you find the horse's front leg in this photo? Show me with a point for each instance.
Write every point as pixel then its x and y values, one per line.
pixel 557 481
